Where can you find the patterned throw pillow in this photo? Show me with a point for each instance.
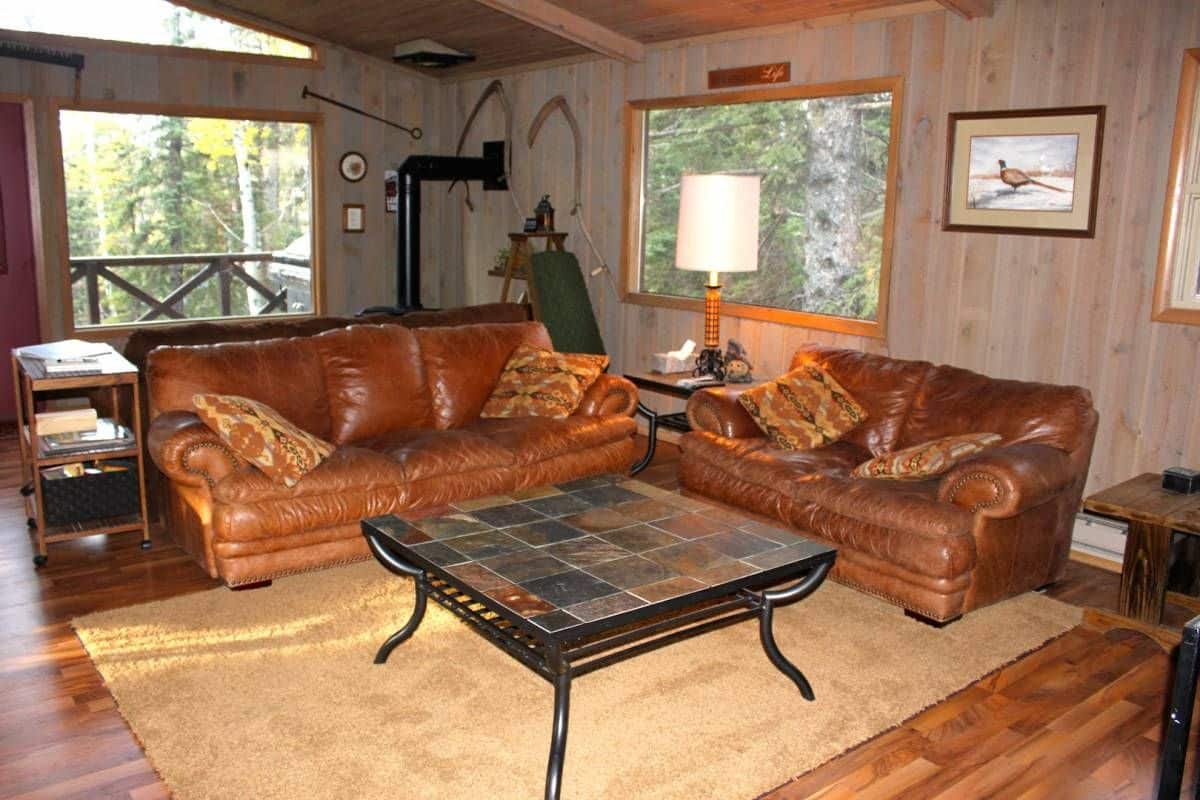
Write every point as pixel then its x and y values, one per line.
pixel 926 460
pixel 542 383
pixel 805 408
pixel 257 433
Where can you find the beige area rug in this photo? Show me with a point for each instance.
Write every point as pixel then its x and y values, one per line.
pixel 272 694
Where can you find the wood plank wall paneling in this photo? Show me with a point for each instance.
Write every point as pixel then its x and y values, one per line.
pixel 1060 310
pixel 358 268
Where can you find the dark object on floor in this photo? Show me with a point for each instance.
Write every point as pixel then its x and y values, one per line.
pixel 1179 719
pixel 1181 480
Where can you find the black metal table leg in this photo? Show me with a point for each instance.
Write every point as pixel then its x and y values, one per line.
pixel 651 434
pixel 399 567
pixel 558 739
pixel 769 599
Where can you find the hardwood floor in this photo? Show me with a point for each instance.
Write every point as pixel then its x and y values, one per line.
pixel 1080 718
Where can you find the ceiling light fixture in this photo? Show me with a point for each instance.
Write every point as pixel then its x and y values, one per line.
pixel 429 54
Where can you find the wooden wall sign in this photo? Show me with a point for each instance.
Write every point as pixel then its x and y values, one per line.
pixel 780 72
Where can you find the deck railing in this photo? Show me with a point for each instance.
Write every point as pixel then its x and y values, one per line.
pixel 225 268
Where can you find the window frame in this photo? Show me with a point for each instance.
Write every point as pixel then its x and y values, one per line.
pixel 71 42
pixel 635 181
pixel 1171 276
pixel 315 121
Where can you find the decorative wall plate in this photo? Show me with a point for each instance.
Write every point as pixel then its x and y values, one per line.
pixel 353 166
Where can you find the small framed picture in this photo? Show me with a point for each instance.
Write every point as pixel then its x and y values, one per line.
pixel 530 225
pixel 1029 171
pixel 353 218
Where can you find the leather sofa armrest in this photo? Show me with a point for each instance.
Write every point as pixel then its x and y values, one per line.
pixel 188 451
pixel 718 411
pixel 609 394
pixel 1005 481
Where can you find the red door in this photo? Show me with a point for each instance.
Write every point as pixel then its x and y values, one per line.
pixel 18 281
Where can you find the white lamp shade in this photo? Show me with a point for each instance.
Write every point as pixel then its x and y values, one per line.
pixel 718 223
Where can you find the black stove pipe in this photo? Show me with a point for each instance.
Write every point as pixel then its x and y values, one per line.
pixel 413 172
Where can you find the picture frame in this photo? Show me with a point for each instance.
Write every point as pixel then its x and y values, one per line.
pixel 1033 171
pixel 354 218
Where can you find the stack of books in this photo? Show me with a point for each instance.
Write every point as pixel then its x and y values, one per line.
pixel 68 357
pixel 68 421
pixel 107 435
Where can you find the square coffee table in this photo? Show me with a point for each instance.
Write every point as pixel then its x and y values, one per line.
pixel 576 576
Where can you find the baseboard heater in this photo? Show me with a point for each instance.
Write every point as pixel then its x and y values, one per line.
pixel 1099 537
pixel 412 173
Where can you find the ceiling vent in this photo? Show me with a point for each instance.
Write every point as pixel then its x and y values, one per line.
pixel 429 54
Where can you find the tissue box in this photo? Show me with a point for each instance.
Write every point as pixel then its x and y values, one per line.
pixel 665 362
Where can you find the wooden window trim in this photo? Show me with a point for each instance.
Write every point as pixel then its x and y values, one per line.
pixel 316 209
pixel 1166 305
pixel 631 256
pixel 60 41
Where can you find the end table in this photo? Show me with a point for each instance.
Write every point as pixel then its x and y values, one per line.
pixel 1152 513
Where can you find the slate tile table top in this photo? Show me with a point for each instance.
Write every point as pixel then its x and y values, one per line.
pixel 572 577
pixel 585 551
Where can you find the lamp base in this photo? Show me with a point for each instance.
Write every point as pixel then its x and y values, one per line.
pixel 710 362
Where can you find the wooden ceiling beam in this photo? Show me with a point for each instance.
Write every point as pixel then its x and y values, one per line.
pixel 969 9
pixel 572 27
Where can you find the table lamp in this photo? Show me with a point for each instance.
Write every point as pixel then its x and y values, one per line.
pixel 718 232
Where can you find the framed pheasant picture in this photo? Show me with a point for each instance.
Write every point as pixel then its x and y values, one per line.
pixel 1028 171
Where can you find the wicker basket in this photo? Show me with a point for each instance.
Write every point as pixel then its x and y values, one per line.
pixel 90 496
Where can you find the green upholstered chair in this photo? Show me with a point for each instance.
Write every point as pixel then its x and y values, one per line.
pixel 560 301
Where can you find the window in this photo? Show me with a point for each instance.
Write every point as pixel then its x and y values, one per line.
pixel 173 217
pixel 827 157
pixel 1177 287
pixel 144 22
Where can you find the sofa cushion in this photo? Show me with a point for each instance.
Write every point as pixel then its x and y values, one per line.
pixel 884 386
pixel 351 484
pixel 346 469
pixel 462 365
pixel 898 521
pixel 427 453
pixel 375 381
pixel 928 459
pixel 534 439
pixel 953 400
pixel 542 383
pixel 803 409
pixel 286 374
pixel 258 434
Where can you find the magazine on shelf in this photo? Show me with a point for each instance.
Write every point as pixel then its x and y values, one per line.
pixel 108 435
pixel 68 351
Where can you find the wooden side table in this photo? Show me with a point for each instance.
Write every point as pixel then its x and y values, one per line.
pixel 664 384
pixel 30 380
pixel 1152 513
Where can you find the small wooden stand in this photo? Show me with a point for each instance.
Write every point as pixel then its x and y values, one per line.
pixel 30 379
pixel 1153 514
pixel 519 252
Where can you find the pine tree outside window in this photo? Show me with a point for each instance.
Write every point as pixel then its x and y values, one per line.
pixel 187 217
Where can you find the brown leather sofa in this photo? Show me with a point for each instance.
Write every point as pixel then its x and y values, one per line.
pixel 995 525
pixel 145 339
pixel 402 405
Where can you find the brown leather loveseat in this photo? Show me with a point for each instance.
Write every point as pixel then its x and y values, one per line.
pixel 402 406
pixel 995 525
